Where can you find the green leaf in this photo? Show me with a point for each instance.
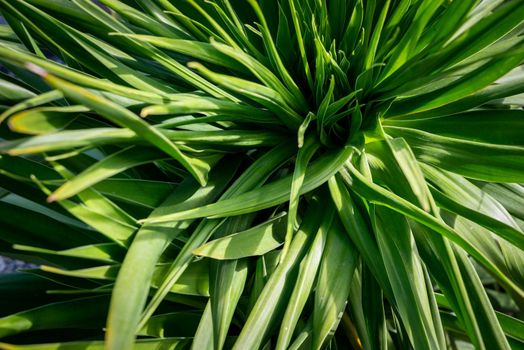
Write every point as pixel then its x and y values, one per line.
pixel 140 19
pixel 456 276
pixel 125 118
pixel 12 92
pixel 186 103
pixel 199 50
pixel 463 198
pixel 482 161
pixel 407 112
pixel 135 276
pixel 307 274
pixel 486 126
pixel 304 155
pixel 509 195
pixel 142 192
pixel 365 301
pixel 269 305
pixel 204 335
pixel 484 32
pixel 113 25
pixel 380 196
pixel 78 77
pixel 94 137
pixel 510 233
pixel 103 252
pixel 173 324
pixel 44 120
pixel 266 96
pixel 107 167
pixel 394 160
pixel 438 254
pixel 82 313
pixel 274 56
pixel 253 177
pixel 37 100
pixel 406 48
pixel 407 280
pixel 227 282
pixel 375 38
pixel 194 280
pixel 267 196
pixel 339 260
pixel 145 344
pixel 460 88
pixel 358 230
pixel 263 74
pixel 99 213
pixel 255 241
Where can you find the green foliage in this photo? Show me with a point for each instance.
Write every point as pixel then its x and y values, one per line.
pixel 288 174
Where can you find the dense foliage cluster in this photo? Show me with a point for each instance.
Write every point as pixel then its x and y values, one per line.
pixel 262 174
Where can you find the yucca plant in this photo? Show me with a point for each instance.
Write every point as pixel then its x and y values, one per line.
pixel 271 174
